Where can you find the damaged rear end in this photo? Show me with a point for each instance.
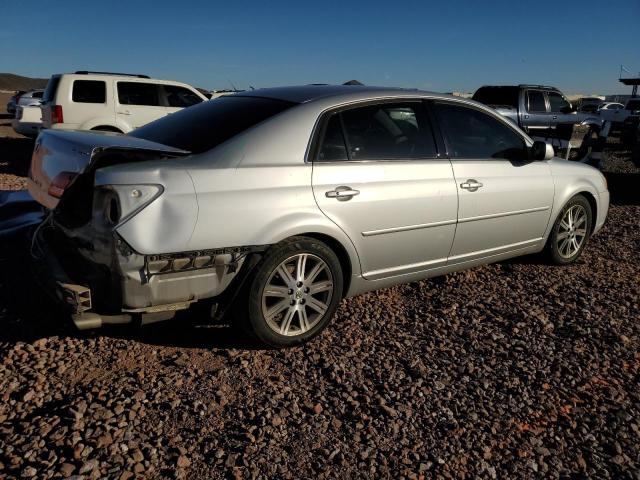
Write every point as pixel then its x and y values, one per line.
pixel 106 197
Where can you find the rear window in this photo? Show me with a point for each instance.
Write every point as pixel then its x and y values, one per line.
pixel 37 94
pixel 89 91
pixel 138 93
pixel 52 88
pixel 208 124
pixel 497 96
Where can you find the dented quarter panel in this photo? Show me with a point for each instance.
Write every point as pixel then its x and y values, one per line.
pixel 166 224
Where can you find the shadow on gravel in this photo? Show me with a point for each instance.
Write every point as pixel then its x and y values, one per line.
pixel 27 314
pixel 15 155
pixel 624 188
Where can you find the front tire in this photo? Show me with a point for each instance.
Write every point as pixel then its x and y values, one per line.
pixel 570 232
pixel 295 290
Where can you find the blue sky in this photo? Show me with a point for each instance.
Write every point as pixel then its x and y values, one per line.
pixel 443 46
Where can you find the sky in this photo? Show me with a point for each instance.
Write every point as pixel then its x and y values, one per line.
pixel 443 46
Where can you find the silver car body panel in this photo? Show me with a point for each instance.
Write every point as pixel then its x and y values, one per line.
pixel 410 221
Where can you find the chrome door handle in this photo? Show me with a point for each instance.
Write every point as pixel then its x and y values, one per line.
pixel 342 193
pixel 555 117
pixel 471 185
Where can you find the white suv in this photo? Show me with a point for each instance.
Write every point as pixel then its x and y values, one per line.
pixel 111 101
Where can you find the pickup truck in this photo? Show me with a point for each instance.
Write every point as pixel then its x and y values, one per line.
pixel 539 110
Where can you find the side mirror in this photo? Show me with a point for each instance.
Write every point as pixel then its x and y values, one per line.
pixel 541 151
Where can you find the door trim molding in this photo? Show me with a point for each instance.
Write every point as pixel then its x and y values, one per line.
pixel 407 228
pixel 503 214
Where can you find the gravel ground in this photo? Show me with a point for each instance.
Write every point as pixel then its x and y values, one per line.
pixel 513 370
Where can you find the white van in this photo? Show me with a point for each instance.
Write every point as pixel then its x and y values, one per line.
pixel 113 102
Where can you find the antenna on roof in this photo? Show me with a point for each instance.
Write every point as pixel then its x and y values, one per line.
pixel 233 87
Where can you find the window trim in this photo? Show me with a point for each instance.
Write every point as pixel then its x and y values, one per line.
pixel 495 116
pixel 73 84
pixel 319 130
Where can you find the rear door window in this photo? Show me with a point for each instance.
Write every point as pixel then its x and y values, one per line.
pixel 387 131
pixel 138 93
pixel 471 133
pixel 180 97
pixel 89 91
pixel 535 102
pixel 333 147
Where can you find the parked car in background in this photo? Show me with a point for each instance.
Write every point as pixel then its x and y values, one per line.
pixel 111 101
pixel 280 202
pixel 25 99
pixel 589 104
pixel 619 115
pixel 610 106
pixel 537 109
pixel 27 120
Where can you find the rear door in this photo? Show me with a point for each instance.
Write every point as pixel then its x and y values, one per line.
pixel 536 113
pixel 138 103
pixel 504 199
pixel 377 174
pixel 88 102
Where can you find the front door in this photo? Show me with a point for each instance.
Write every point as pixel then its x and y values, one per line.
pixel 536 119
pixel 377 175
pixel 505 199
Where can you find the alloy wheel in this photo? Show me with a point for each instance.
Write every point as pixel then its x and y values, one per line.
pixel 572 231
pixel 297 294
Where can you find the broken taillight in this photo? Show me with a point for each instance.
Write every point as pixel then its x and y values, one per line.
pixel 56 114
pixel 60 183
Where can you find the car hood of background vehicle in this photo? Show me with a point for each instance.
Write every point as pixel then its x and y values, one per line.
pixel 73 152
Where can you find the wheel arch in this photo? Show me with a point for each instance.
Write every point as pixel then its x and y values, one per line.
pixel 340 251
pixel 594 207
pixel 107 128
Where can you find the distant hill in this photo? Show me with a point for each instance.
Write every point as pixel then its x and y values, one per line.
pixel 9 81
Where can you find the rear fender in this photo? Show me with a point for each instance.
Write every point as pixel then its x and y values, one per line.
pixel 303 223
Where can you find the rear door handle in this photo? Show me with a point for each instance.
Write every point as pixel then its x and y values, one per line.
pixel 471 185
pixel 125 112
pixel 555 117
pixel 342 193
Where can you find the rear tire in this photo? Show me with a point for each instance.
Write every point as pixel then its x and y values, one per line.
pixel 295 290
pixel 570 232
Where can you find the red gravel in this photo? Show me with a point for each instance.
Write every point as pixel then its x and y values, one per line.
pixel 513 370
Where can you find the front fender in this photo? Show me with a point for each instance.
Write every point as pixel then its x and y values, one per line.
pixel 571 179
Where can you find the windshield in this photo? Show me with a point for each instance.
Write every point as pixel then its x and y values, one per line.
pixel 208 124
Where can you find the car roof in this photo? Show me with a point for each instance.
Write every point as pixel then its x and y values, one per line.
pixel 308 93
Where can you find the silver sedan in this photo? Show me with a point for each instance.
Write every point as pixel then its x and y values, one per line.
pixel 278 203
